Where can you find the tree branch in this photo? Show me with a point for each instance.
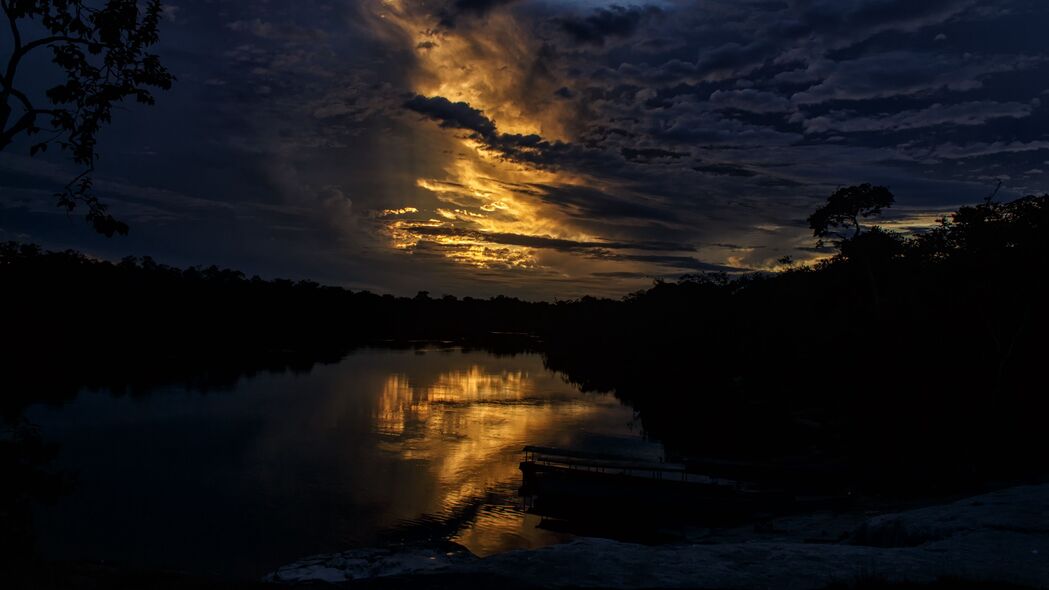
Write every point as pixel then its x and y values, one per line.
pixel 15 33
pixel 5 109
pixel 22 50
pixel 9 75
pixel 22 98
pixel 23 123
pixel 49 40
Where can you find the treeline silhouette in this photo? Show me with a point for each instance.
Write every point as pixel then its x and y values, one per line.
pixel 906 362
pixel 913 362
pixel 76 321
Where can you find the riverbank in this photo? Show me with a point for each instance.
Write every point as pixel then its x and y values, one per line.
pixel 999 539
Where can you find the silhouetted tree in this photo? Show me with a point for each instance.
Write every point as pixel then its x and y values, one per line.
pixel 101 48
pixel 1004 243
pixel 874 247
pixel 844 209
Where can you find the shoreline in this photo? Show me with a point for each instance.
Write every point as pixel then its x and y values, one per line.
pixel 995 540
pixel 1000 537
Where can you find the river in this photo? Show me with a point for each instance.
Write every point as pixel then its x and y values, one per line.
pixel 383 446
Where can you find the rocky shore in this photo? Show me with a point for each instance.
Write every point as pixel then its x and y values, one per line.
pixel 1000 539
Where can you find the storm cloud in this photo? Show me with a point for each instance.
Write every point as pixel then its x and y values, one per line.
pixel 603 23
pixel 454 115
pixel 528 146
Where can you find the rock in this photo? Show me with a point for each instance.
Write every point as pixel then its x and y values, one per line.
pixel 369 563
pixel 998 537
pixel 1018 509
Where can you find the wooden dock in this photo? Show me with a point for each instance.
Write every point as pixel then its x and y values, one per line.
pixel 568 484
pixel 538 458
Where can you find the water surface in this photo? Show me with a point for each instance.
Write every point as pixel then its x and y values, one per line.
pixel 384 445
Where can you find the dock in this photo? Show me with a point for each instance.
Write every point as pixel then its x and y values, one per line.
pixel 538 458
pixel 568 484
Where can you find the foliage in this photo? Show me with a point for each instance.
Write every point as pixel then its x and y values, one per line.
pixel 101 50
pixel 25 459
pixel 844 209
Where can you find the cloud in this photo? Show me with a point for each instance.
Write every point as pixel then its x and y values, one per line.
pixel 963 114
pixel 647 154
pixel 849 21
pixel 276 31
pixel 683 262
pixel 621 274
pixel 732 59
pixel 603 23
pixel 900 73
pixel 699 128
pixel 749 99
pixel 453 115
pixel 455 9
pixel 546 242
pixel 951 151
pixel 591 203
pixel 548 143
pixel 723 169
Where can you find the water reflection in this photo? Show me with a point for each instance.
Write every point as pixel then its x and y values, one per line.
pixel 468 426
pixel 403 405
pixel 386 444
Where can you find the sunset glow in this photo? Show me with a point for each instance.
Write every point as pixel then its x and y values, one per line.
pixel 554 149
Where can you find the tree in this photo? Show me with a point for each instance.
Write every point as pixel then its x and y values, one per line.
pixel 842 212
pixel 875 246
pixel 844 209
pixel 100 48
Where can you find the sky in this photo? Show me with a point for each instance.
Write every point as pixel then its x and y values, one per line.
pixel 547 149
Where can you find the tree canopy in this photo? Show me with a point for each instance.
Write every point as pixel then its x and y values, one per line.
pixel 101 52
pixel 845 207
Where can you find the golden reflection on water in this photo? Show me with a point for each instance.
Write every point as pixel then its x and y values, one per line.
pixel 468 427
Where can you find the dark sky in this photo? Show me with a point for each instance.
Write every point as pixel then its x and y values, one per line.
pixel 548 148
